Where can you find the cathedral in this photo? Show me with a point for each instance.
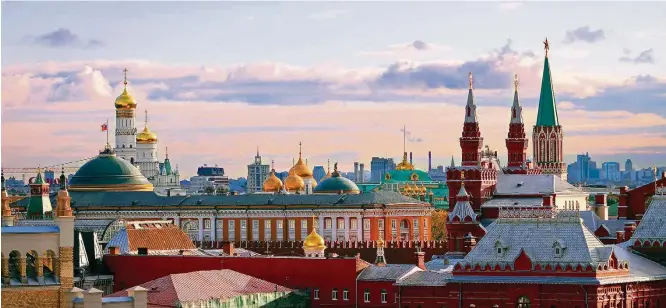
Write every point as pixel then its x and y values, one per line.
pixel 140 148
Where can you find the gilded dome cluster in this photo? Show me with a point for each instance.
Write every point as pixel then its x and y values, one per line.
pixel 146 136
pixel 272 183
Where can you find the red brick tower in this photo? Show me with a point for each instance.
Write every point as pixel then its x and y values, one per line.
pixel 480 167
pixel 516 141
pixel 462 221
pixel 547 135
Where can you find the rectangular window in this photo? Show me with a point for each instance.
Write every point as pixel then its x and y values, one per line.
pixel 341 224
pixel 381 224
pixel 304 229
pixel 383 296
pixel 416 223
pixel 316 293
pixel 328 223
pixel 304 224
pixel 280 231
pixel 353 224
pixel 345 294
pixel 366 296
pixel 393 224
pixel 335 295
pixel 207 224
pixel 267 230
pixel 292 230
pixel 366 229
pixel 255 230
pixel 231 233
pixel 243 229
pixel 417 232
pixel 219 230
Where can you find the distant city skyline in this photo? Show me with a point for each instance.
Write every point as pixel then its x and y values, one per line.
pixel 338 77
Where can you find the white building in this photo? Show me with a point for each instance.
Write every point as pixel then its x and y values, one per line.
pixel 141 149
pixel 256 175
pixel 208 177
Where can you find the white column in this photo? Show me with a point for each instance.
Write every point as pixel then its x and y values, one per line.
pixel 347 226
pixel 176 221
pixel 359 226
pixel 201 229
pixel 334 233
pixel 321 227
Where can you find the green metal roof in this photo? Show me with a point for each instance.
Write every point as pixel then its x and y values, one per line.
pixel 547 115
pixel 108 170
pixel 336 184
pixel 82 199
pixel 406 176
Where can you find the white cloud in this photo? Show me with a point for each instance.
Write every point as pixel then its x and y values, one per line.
pixel 330 14
pixel 510 6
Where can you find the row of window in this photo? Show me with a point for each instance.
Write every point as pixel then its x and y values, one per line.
pixel 192 228
pixel 345 295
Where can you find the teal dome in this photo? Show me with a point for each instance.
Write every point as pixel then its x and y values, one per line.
pixel 336 184
pixel 107 172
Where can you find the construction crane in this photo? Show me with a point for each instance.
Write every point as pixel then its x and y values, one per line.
pixel 55 168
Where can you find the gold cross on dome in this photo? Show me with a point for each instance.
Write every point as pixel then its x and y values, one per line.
pixel 125 71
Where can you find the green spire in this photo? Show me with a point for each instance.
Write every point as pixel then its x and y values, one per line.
pixel 547 115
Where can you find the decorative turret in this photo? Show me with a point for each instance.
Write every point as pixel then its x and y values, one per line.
pixel 328 172
pixel 64 208
pixel 462 220
pixel 146 136
pixel 471 140
pixel 380 260
pixel 314 245
pixel 40 203
pixel 547 135
pixel 7 217
pixel 516 141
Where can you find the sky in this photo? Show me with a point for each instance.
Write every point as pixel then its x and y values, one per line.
pixel 220 79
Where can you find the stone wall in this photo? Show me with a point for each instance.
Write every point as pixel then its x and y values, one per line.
pixel 31 297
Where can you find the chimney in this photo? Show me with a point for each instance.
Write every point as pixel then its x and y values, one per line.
pixel 228 248
pixel 600 207
pixel 114 251
pixel 410 158
pixel 629 228
pixel 142 251
pixel 361 171
pixel 547 201
pixel 420 259
pixel 619 237
pixel 355 171
pixel 469 243
pixel 429 161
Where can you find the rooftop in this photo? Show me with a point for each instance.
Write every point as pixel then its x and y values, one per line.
pixel 30 229
pixel 535 184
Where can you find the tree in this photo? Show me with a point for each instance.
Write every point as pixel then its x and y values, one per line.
pixel 209 190
pixel 439 218
pixel 222 190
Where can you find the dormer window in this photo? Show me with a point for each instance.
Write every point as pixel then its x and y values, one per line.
pixel 500 248
pixel 558 248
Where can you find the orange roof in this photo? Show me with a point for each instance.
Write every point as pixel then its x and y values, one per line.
pixel 165 237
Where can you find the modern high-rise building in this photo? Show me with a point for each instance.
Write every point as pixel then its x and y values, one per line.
pixel 583 167
pixel 379 166
pixel 208 177
pixel 256 174
pixel 628 165
pixel 318 172
pixel 610 171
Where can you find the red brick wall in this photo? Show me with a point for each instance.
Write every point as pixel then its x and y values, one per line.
pixel 300 273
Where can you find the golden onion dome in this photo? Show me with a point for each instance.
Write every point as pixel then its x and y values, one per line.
pixel 293 182
pixel 272 183
pixel 431 193
pixel 125 100
pixel 404 164
pixel 314 241
pixel 423 189
pixel 146 136
pixel 407 188
pixel 302 169
pixel 380 243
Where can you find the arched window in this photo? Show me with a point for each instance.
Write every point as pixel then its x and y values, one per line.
pixel 130 146
pixel 524 302
pixel 123 146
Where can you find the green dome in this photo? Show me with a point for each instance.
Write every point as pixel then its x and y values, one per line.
pixel 336 184
pixel 415 175
pixel 107 172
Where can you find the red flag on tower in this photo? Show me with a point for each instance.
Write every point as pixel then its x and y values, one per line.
pixel 104 127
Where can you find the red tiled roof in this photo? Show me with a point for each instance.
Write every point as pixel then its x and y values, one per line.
pixel 361 264
pixel 203 285
pixel 168 237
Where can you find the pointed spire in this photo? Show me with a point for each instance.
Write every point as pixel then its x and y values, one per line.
pixel 462 192
pixel 547 114
pixel 63 179
pixel 146 123
pixel 2 179
pixel 328 168
pixel 470 109
pixel 300 148
pixel 257 151
pixel 272 165
pixel 453 163
pixel 516 109
pixel 166 153
pixel 404 138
